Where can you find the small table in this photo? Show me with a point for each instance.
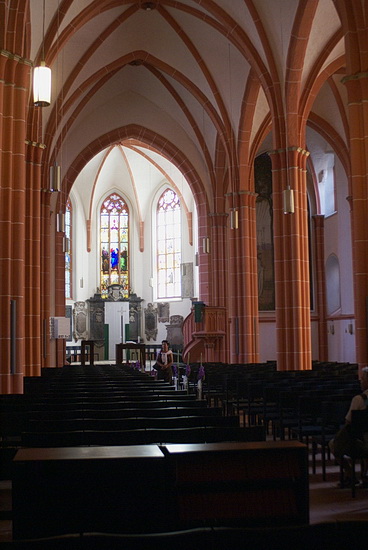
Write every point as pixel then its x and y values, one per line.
pixel 141 348
pixel 91 345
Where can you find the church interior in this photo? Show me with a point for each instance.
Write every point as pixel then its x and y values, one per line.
pixel 193 171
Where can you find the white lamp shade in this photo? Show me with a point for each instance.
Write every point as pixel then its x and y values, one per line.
pixel 288 199
pixel 42 85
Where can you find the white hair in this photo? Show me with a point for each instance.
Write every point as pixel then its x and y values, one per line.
pixel 365 371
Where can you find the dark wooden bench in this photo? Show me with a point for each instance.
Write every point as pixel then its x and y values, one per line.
pixel 152 489
pixel 142 436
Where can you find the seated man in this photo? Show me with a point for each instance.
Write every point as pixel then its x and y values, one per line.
pixel 342 443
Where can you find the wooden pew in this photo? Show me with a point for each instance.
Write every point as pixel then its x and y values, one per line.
pixel 148 489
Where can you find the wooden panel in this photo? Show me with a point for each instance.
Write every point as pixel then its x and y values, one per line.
pixel 107 489
pixel 240 483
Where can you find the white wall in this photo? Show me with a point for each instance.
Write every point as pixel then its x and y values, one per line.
pixel 341 343
pixel 267 341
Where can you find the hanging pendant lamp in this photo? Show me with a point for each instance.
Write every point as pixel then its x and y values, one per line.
pixel 42 85
pixel 288 200
pixel 42 75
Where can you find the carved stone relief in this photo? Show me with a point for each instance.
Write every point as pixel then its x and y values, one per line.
pixel 80 321
pixel 135 309
pixel 175 330
pixel 163 312
pixel 97 321
pixel 150 322
pixel 115 292
pixel 187 284
pixel 69 315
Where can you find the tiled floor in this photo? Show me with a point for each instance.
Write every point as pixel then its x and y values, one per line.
pixel 330 503
pixel 327 502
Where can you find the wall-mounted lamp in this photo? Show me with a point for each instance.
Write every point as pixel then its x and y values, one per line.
pixel 55 178
pixel 81 282
pixel 288 200
pixel 206 245
pixel 196 259
pixel 66 244
pixel 234 219
pixel 61 222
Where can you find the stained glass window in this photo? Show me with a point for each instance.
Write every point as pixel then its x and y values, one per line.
pixel 68 247
pixel 114 244
pixel 168 245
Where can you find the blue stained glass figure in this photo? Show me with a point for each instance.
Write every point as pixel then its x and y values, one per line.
pixel 114 258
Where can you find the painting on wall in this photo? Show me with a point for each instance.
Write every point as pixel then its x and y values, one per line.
pixel 264 217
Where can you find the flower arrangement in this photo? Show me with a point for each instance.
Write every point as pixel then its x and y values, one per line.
pixel 201 373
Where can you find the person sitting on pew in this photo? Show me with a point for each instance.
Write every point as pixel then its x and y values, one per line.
pixel 164 361
pixel 342 443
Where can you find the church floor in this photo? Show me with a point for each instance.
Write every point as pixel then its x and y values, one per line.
pixel 327 502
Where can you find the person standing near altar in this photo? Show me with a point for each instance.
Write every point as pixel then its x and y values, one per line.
pixel 164 361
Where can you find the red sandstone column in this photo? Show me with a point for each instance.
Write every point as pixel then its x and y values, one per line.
pixel 46 271
pixel 14 77
pixel 33 339
pixel 219 272
pixel 205 257
pixel 60 285
pixel 292 285
pixel 357 87
pixel 243 282
pixel 219 259
pixel 320 297
pixel 5 228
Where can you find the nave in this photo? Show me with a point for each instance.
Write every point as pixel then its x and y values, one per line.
pixel 327 503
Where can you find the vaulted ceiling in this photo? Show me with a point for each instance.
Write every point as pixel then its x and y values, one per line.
pixel 198 81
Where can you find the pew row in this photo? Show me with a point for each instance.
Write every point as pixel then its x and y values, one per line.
pixel 150 488
pixel 143 436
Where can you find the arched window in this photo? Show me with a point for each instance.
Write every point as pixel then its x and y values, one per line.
pixel 114 243
pixel 168 245
pixel 68 248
